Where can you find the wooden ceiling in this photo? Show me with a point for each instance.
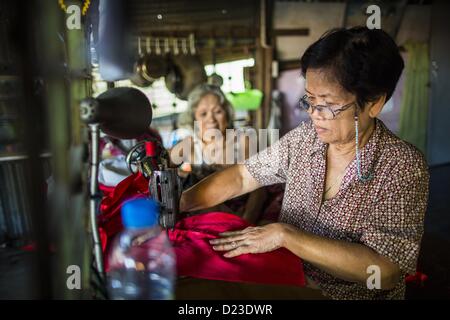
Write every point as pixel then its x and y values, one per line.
pixel 229 28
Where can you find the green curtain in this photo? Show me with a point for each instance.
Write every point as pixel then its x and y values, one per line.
pixel 414 106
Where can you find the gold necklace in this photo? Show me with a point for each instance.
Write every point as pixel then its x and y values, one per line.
pixel 329 188
pixel 335 182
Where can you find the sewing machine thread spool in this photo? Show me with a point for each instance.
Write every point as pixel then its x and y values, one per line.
pixel 150 148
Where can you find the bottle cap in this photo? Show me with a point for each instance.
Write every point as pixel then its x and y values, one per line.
pixel 140 213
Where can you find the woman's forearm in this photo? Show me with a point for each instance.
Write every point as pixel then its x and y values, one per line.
pixel 342 259
pixel 217 188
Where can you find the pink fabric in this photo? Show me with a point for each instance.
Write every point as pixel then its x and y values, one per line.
pixel 196 258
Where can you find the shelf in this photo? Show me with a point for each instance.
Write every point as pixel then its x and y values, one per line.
pixel 5 157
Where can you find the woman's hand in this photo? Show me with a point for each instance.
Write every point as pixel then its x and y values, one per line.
pixel 250 240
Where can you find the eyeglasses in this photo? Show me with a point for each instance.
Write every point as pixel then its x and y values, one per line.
pixel 326 112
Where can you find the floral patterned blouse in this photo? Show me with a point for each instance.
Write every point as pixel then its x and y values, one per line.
pixel 385 213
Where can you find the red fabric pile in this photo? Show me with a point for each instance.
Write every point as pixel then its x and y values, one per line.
pixel 196 258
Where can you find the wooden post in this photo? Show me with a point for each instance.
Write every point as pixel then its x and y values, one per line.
pixel 263 64
pixel 64 90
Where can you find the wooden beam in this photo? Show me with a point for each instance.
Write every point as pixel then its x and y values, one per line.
pixel 290 32
pixel 288 65
pixel 264 82
pixel 263 63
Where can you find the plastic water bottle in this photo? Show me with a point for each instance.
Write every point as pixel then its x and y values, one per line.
pixel 142 260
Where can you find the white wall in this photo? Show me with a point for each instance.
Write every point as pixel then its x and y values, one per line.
pixel 318 17
pixel 415 24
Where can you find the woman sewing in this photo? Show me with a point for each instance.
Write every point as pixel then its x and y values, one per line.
pixel 355 193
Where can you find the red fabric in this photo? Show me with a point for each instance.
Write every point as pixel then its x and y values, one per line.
pixel 418 278
pixel 31 247
pixel 106 190
pixel 109 220
pixel 196 258
pixel 150 148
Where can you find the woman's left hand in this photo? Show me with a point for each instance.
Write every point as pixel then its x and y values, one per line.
pixel 250 240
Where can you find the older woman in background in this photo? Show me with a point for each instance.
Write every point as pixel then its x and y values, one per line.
pixel 209 113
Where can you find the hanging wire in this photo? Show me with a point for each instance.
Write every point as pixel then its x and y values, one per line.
pixel 175 46
pixel 157 47
pixel 192 43
pixel 139 46
pixel 184 48
pixel 166 45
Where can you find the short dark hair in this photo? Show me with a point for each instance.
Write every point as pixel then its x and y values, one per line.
pixel 365 62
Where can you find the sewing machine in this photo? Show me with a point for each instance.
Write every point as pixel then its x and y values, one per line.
pixel 126 113
pixel 152 160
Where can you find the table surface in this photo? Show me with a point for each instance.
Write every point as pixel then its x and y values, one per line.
pixel 203 289
pixel 15 281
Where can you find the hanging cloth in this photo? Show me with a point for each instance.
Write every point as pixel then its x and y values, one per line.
pixel 415 102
